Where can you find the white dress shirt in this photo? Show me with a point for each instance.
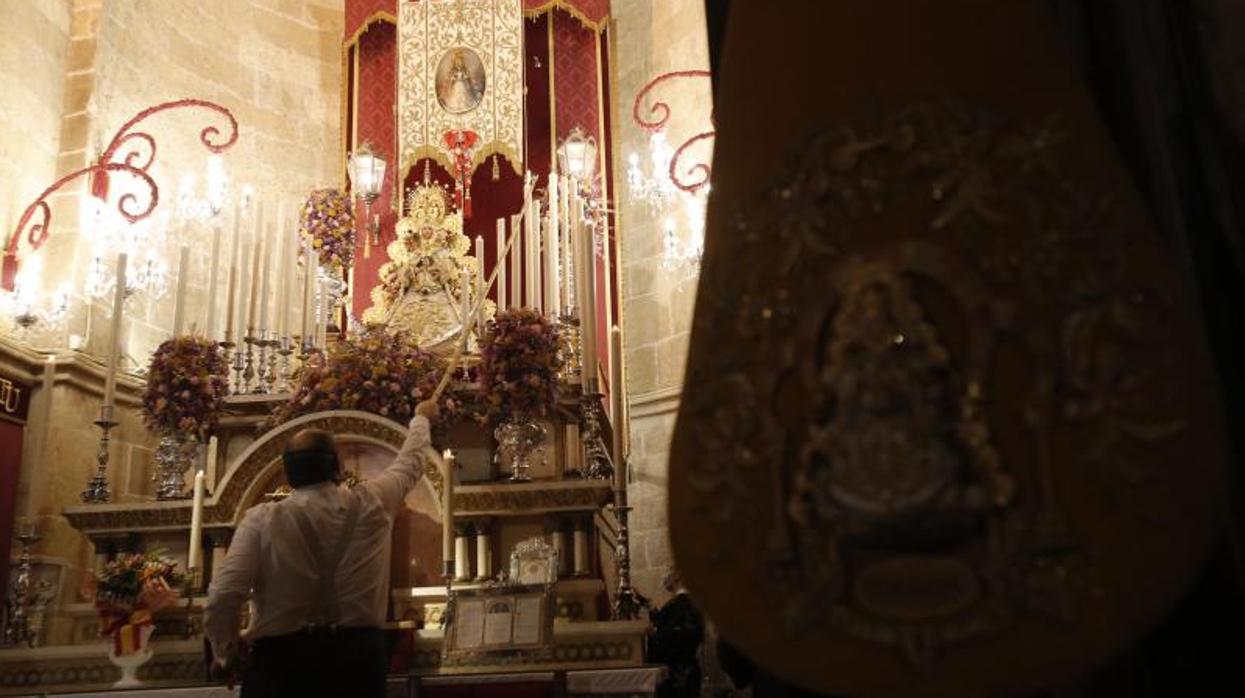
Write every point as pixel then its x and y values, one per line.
pixel 270 562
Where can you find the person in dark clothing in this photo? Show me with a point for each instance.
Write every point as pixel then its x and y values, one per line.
pixel 679 629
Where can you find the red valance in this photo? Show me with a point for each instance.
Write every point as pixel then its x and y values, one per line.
pixel 591 13
pixel 360 14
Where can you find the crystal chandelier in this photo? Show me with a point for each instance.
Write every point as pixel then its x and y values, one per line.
pixel 654 186
pixel 29 306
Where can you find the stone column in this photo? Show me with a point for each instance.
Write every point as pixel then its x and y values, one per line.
pixel 582 563
pixel 462 555
pixel 484 551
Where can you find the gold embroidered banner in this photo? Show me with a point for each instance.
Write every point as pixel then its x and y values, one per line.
pixel 460 68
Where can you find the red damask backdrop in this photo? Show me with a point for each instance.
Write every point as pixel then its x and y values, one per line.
pixel 566 62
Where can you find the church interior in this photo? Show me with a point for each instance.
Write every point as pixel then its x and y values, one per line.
pixel 778 349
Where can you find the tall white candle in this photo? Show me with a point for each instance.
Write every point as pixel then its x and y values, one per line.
pixel 114 334
pixel 179 301
pixel 265 274
pixel 209 327
pixel 465 300
pixel 587 289
pixel 447 506
pixel 567 252
pixel 246 280
pixel 283 249
pixel 196 523
pixel 607 277
pixel 553 289
pixel 534 271
pixel 501 265
pixel 516 270
pixel 231 322
pixel 308 292
pixel 479 286
pixel 291 276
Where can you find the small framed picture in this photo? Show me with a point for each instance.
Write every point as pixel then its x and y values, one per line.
pixel 500 623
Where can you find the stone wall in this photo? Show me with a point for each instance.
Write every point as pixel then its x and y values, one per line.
pixel 277 64
pixel 648 39
pixel 34 44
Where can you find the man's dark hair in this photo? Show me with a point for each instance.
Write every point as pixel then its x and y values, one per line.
pixel 310 458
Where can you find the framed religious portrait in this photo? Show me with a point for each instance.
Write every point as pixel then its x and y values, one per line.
pixel 503 624
pixel 460 80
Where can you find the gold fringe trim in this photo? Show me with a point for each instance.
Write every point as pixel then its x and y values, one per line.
pixel 375 18
pixel 570 9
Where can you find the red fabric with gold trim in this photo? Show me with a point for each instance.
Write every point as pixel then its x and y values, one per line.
pixel 589 11
pixel 376 95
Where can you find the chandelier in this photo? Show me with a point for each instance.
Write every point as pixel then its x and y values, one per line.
pixel 676 194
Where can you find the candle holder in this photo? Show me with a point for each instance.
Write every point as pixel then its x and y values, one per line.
pixel 191 585
pixel 226 350
pixel 249 372
pixel 447 574
pixel 568 331
pixel 27 599
pixel 286 350
pixel 174 456
pixel 239 364
pixel 97 490
pixel 261 368
pixel 627 601
pixel 598 465
pixel 272 347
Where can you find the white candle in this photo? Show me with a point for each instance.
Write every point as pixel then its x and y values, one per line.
pixel 607 276
pixel 568 245
pixel 447 506
pixel 480 290
pixel 465 300
pixel 534 274
pixel 308 292
pixel 257 259
pixel 209 328
pixel 291 277
pixel 616 400
pixel 247 279
pixel 587 302
pixel 196 522
pixel 553 288
pixel 516 271
pixel 283 249
pixel 234 258
pixel 114 334
pixel 179 301
pixel 265 269
pixel 501 265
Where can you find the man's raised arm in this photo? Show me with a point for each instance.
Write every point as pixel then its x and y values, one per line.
pixel 416 456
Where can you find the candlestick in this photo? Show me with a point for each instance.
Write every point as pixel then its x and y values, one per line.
pixel 567 254
pixel 196 522
pixel 179 301
pixel 447 507
pixel 535 272
pixel 114 334
pixel 616 398
pixel 257 255
pixel 500 265
pixel 291 278
pixel 246 279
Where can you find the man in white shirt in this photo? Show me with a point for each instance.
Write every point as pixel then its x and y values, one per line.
pixel 315 567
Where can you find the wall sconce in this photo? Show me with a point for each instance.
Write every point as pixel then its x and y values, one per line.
pixel 577 157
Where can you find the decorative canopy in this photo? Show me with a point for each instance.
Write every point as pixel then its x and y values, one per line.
pixel 593 14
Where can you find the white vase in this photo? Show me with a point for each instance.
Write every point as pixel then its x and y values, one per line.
pixel 129 663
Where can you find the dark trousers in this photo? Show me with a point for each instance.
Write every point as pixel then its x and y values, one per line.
pixel 330 663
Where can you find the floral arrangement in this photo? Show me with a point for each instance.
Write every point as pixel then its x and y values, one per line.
pixel 377 371
pixel 186 382
pixel 328 221
pixel 128 592
pixel 519 364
